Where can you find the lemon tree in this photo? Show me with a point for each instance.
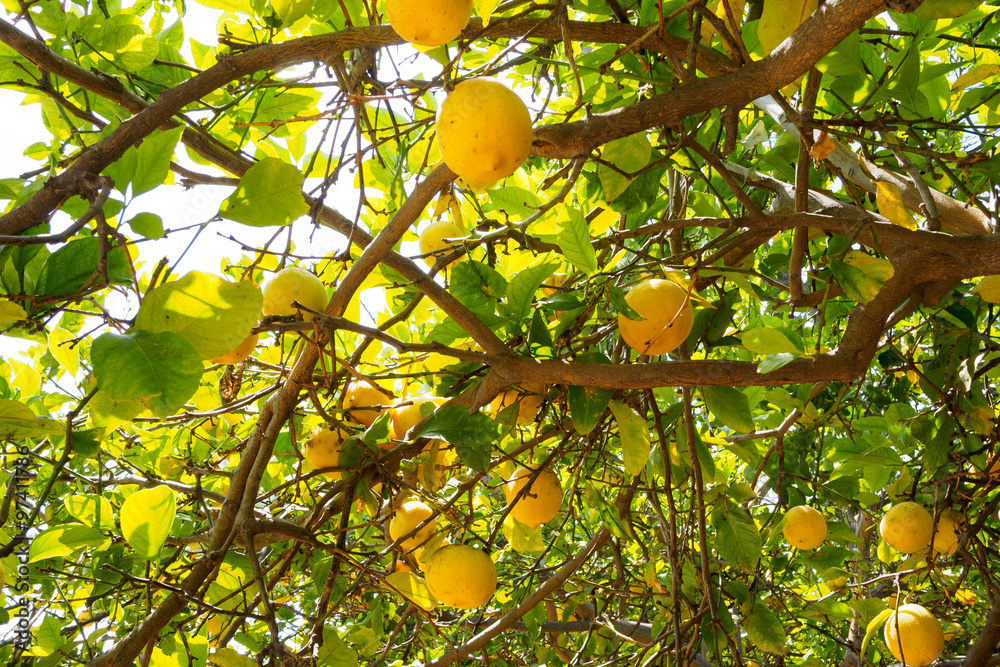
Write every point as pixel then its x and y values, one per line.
pixel 720 276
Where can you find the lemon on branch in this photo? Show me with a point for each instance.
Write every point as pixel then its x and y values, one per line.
pixel 805 527
pixel 461 576
pixel 428 22
pixel 668 317
pixel 914 635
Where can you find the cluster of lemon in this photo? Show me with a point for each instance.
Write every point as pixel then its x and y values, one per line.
pixel 912 633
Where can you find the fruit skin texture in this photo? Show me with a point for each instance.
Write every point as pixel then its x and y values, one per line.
pixel 668 314
pixel 433 239
pixel 239 353
pixel 484 131
pixel 906 527
pixel 461 576
pixel 406 417
pixel 294 284
pixel 805 527
pixel 363 395
pixel 919 633
pixel 946 535
pixel 408 516
pixel 542 500
pixel 323 450
pixel 531 394
pixel 428 22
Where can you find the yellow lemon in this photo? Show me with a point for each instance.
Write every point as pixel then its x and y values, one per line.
pixel 323 450
pixel 239 353
pixel 531 395
pixel 428 22
pixel 432 239
pixel 668 317
pixel 405 417
pixel 484 131
pixel 408 516
pixel 461 576
pixel 946 535
pixel 906 527
pixel 363 395
pixel 805 527
pixel 540 501
pixel 294 284
pixel 914 635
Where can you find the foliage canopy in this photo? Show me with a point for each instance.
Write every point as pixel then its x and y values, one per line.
pixel 824 200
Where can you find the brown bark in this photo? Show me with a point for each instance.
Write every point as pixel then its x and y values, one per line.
pixel 981 652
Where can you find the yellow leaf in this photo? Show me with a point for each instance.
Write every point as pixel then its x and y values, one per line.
pixel 823 148
pixel 442 204
pixel 413 588
pixel 227 657
pixel 485 9
pixel 977 74
pixel 25 378
pixel 876 268
pixel 68 355
pixel 988 289
pixel 779 20
pixel 889 199
pixel 10 312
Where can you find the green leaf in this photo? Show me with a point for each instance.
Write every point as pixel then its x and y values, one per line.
pixel 153 160
pixel 146 519
pixel 413 588
pixel 211 313
pixel 738 541
pixel 71 266
pixel 91 510
pixel 586 405
pixel 514 201
pixel 270 193
pixel 147 225
pixel 609 514
pixel 472 435
pixel 635 437
pixel 522 538
pixel 64 541
pixel 731 406
pixel 629 154
pixel 540 345
pixel 477 286
pixel 335 652
pixel 522 287
pixel 946 9
pixel 874 626
pixel 290 11
pixel 857 285
pixel 161 370
pixel 764 628
pixel 126 40
pixel 17 421
pixel 773 362
pixel 767 340
pixel 574 240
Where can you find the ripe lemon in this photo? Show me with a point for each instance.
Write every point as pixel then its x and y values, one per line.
pixel 363 395
pixel 461 576
pixel 484 131
pixel 239 353
pixel 666 307
pixel 531 395
pixel 323 450
pixel 294 284
pixel 408 516
pixel 946 535
pixel 805 527
pixel 541 500
pixel 432 239
pixel 405 417
pixel 906 527
pixel 428 22
pixel 914 635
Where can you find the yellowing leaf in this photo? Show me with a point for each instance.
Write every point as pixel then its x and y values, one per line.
pixel 68 355
pixel 634 432
pixel 977 74
pixel 877 269
pixel 413 588
pixel 988 289
pixel 227 657
pixel 717 8
pixel 442 204
pixel 10 312
pixel 522 538
pixel 889 199
pixel 146 519
pixel 779 20
pixel 823 148
pixel 485 9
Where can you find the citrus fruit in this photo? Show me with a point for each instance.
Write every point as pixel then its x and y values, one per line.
pixel 363 395
pixel 906 527
pixel 239 353
pixel 914 635
pixel 668 317
pixel 432 239
pixel 404 417
pixel 408 516
pixel 946 535
pixel 428 22
pixel 540 501
pixel 484 131
pixel 805 527
pixel 294 284
pixel 323 450
pixel 531 396
pixel 461 576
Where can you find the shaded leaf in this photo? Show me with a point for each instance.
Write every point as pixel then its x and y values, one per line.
pixel 635 437
pixel 738 540
pixel 764 628
pixel 413 588
pixel 731 406
pixel 64 540
pixel 17 421
pixel 270 193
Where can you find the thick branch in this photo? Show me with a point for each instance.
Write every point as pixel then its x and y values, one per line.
pixel 981 653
